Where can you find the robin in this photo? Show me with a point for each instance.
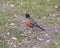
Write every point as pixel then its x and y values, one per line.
pixel 31 23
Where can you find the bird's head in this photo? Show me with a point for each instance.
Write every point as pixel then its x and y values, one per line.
pixel 27 15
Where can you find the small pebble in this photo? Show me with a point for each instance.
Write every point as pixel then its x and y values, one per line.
pixel 48 1
pixel 8 20
pixel 39 38
pixel 56 6
pixel 58 19
pixel 14 38
pixel 12 5
pixel 46 35
pixel 11 43
pixel 15 16
pixel 56 30
pixel 21 3
pixel 14 45
pixel 11 24
pixel 8 33
pixel 54 15
pixel 44 17
pixel 47 41
pixel 56 43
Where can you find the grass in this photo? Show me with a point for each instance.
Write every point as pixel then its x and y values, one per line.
pixel 37 8
pixel 55 43
pixel 2 45
pixel 51 45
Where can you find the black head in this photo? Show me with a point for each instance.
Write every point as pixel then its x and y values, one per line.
pixel 27 15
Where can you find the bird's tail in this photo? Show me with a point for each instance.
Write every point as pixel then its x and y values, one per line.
pixel 41 28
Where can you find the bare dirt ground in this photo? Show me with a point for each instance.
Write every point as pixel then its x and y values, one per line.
pixel 34 38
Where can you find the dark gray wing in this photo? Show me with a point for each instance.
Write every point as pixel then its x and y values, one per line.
pixel 33 22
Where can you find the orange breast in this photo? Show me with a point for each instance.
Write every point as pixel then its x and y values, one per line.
pixel 28 23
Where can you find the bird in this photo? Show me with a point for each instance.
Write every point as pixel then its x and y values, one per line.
pixel 31 23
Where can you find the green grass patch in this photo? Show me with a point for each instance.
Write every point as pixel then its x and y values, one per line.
pixel 51 45
pixel 3 45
